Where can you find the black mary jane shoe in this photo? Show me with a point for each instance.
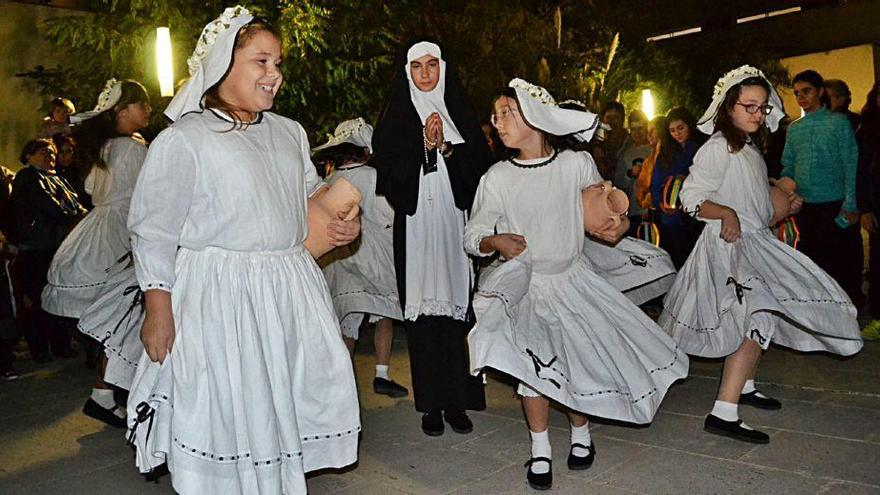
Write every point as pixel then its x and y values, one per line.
pixel 734 429
pixel 432 424
pixel 541 481
pixel 94 410
pixel 389 388
pixel 459 421
pixel 753 399
pixel 576 463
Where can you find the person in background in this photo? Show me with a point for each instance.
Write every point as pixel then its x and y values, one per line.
pixel 58 119
pixel 839 99
pixel 612 115
pixel 821 156
pixel 868 198
pixel 636 149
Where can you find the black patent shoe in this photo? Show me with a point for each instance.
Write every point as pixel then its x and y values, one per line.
pixel 576 463
pixel 432 424
pixel 753 399
pixel 94 410
pixel 459 421
pixel 541 481
pixel 389 388
pixel 734 429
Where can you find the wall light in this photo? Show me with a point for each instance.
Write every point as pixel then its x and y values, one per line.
pixel 164 62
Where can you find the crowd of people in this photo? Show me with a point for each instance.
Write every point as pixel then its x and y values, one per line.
pixel 539 245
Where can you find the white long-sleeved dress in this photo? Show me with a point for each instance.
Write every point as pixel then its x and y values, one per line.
pixel 546 317
pixel 261 388
pixel 361 276
pixel 757 287
pixel 80 267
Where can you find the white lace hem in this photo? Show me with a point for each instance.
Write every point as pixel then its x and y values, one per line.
pixel 431 307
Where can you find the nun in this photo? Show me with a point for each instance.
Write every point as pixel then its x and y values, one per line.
pixel 430 154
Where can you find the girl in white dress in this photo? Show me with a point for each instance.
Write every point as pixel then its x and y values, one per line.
pixel 246 384
pixel 361 276
pixel 544 316
pixel 107 138
pixel 742 288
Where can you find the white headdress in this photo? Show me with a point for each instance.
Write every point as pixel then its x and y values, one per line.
pixel 428 102
pixel 209 61
pixel 706 124
pixel 540 109
pixel 108 99
pixel 354 131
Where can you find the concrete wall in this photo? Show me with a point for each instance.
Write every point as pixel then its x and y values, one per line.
pixel 855 65
pixel 21 48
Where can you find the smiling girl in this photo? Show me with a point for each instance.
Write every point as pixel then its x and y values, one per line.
pixel 237 311
pixel 742 288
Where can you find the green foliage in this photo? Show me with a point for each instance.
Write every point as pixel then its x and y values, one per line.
pixel 339 54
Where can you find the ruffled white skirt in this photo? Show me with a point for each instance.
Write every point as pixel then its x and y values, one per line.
pixel 574 338
pixel 639 269
pixel 81 265
pixel 362 282
pixel 760 288
pixel 262 388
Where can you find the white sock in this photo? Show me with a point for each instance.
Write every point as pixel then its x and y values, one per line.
pixel 540 448
pixel 749 387
pixel 581 435
pixel 382 371
pixel 104 398
pixel 727 411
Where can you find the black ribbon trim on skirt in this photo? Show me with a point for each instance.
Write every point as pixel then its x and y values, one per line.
pixel 144 413
pixel 637 260
pixel 739 288
pixel 540 364
pixel 136 301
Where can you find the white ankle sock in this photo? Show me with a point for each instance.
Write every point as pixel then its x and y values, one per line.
pixel 749 387
pixel 382 371
pixel 104 398
pixel 727 411
pixel 581 435
pixel 540 448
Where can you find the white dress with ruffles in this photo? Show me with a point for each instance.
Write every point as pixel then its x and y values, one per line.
pixel 546 317
pixel 261 389
pixel 361 275
pixel 756 287
pixel 81 265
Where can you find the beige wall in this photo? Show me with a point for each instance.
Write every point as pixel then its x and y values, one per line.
pixel 854 65
pixel 21 48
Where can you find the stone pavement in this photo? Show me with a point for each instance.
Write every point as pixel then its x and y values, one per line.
pixel 826 439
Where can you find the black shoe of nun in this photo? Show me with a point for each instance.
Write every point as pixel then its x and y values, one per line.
pixel 389 388
pixel 542 481
pixel 576 463
pixel 432 424
pixel 734 429
pixel 753 399
pixel 459 421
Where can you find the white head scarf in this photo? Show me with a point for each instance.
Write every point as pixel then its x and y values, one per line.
pixel 540 109
pixel 355 131
pixel 108 99
pixel 706 124
pixel 432 101
pixel 209 61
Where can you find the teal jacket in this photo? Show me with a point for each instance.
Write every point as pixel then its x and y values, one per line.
pixel 821 155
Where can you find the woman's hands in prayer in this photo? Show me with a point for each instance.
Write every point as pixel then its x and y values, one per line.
pixel 342 231
pixel 434 130
pixel 157 333
pixel 508 245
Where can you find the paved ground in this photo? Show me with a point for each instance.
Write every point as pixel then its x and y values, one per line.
pixel 826 439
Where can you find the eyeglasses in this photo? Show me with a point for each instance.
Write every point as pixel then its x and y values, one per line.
pixel 495 118
pixel 752 108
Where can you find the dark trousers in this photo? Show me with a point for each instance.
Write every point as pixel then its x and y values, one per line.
pixel 438 358
pixel 873 275
pixel 678 240
pixel 836 250
pixel 39 327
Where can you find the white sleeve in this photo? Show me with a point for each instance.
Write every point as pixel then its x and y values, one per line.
pixel 705 176
pixel 159 207
pixel 313 180
pixel 589 172
pixel 485 213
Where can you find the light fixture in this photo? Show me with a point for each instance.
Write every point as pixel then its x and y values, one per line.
pixel 648 104
pixel 164 62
